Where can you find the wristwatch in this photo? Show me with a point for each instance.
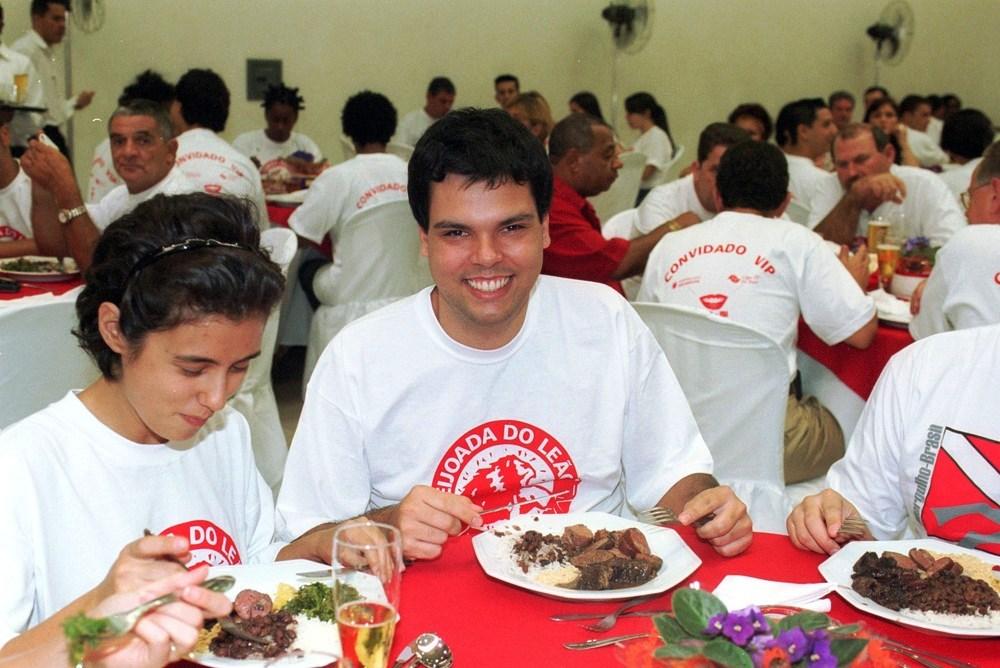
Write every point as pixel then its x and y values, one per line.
pixel 66 215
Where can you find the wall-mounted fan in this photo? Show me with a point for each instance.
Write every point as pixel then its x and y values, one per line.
pixel 631 24
pixel 892 34
pixel 88 15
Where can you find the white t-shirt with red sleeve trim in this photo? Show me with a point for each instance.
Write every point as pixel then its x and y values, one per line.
pixel 73 493
pixel 760 272
pixel 581 404
pixel 924 459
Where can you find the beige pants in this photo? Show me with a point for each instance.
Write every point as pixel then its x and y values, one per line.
pixel 813 439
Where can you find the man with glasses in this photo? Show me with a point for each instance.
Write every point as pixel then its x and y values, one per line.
pixel 964 288
pixel 142 150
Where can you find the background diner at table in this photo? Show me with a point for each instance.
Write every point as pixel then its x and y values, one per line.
pixel 480 346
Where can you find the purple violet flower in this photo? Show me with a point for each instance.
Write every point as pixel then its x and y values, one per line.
pixel 758 620
pixel 714 627
pixel 795 642
pixel 738 627
pixel 821 656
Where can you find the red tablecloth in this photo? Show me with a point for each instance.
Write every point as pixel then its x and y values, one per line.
pixel 858 369
pixel 56 288
pixel 489 623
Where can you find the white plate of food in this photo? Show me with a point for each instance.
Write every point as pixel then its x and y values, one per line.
pixel 317 639
pixel 39 269
pixel 497 550
pixel 839 568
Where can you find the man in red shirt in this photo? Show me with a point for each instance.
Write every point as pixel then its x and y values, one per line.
pixel 585 163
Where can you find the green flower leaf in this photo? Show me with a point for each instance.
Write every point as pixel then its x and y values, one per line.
pixel 693 609
pixel 847 630
pixel 677 651
pixel 670 629
pixel 847 649
pixel 727 654
pixel 807 620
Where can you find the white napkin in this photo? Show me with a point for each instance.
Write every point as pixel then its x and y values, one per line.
pixel 890 305
pixel 740 591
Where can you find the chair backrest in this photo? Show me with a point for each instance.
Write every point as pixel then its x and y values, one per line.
pixel 347 147
pixel 255 399
pixel 797 211
pixel 380 257
pixel 404 151
pixel 736 381
pixel 621 225
pixel 40 359
pixel 674 159
pixel 621 195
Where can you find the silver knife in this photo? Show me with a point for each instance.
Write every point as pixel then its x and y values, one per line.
pixel 594 643
pixel 577 616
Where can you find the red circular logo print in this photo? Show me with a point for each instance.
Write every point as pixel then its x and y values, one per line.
pixel 511 466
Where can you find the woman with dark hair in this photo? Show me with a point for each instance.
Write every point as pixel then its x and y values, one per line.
pixel 172 312
pixel 753 118
pixel 586 102
pixel 884 114
pixel 643 113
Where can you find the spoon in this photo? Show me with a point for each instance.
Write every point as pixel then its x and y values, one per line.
pixel 431 651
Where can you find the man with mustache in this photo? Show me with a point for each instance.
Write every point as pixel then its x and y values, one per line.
pixel 749 265
pixel 142 150
pixel 869 186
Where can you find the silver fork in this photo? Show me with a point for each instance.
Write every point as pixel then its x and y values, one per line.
pixel 659 515
pixel 121 623
pixel 609 620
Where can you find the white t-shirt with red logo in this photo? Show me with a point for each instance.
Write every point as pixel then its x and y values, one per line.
pixel 256 144
pixel 120 201
pixel 924 458
pixel 215 167
pixel 964 287
pixel 73 493
pixel 15 209
pixel 761 272
pixel 580 404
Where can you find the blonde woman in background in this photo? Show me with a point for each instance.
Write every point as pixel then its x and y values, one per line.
pixel 533 112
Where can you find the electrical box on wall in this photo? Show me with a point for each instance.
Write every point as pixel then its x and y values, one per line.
pixel 260 75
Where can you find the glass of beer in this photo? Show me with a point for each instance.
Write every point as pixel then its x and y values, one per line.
pixel 878 229
pixel 888 255
pixel 368 569
pixel 21 87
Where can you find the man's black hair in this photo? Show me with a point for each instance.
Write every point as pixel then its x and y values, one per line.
pixel 794 114
pixel 909 104
pixel 368 118
pixel 148 85
pixel 282 94
pixel 878 89
pixel 204 99
pixel 507 77
pixel 719 134
pixel 40 7
pixel 483 146
pixel 838 95
pixel 440 85
pixel 753 175
pixel 756 111
pixel 967 132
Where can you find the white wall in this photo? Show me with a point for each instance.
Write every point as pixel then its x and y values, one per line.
pixel 705 56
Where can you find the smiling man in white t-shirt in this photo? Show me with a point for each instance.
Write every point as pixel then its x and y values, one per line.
pixel 429 411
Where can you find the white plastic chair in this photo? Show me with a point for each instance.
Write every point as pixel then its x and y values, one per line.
pixel 404 151
pixel 255 399
pixel 380 263
pixel 621 225
pixel 621 195
pixel 665 172
pixel 40 359
pixel 347 147
pixel 736 381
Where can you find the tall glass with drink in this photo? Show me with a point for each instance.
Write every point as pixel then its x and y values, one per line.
pixel 878 229
pixel 368 568
pixel 888 255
